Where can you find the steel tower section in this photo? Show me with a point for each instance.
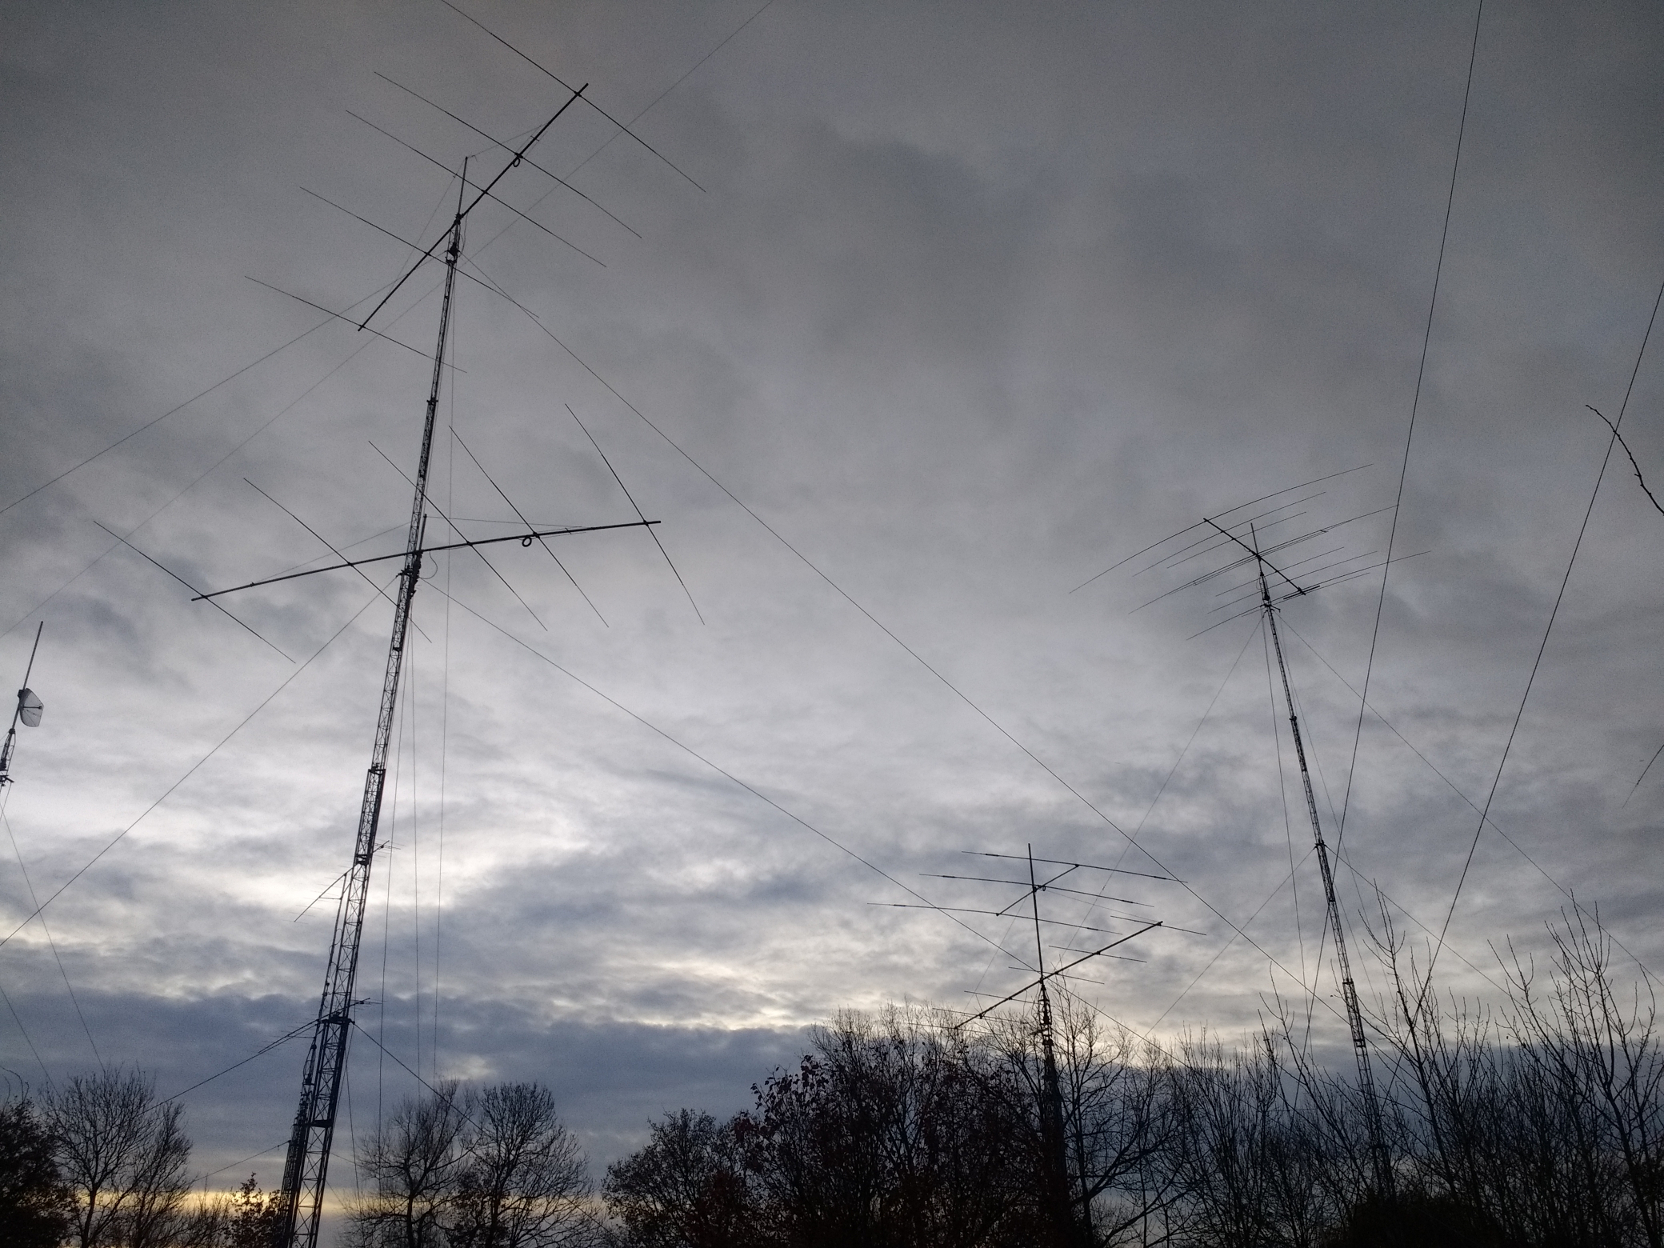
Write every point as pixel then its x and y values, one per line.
pixel 1349 991
pixel 301 1201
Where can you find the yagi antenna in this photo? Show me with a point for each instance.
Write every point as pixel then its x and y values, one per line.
pixel 489 138
pixel 497 199
pixel 299 1205
pixel 1243 546
pixel 1191 528
pixel 454 232
pixel 1062 1202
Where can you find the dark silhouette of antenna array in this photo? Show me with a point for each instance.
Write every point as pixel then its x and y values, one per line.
pixel 1070 1211
pixel 1276 571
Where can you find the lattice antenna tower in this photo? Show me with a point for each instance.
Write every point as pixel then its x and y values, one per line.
pixel 306 1167
pixel 1242 538
pixel 1348 989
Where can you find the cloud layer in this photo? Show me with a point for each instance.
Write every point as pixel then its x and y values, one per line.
pixel 966 311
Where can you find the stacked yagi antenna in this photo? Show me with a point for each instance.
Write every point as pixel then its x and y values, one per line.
pixel 1269 558
pixel 301 1199
pixel 1068 1199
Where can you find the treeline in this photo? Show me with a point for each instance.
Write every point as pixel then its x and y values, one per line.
pixel 1539 1123
pixel 100 1162
pixel 1536 1123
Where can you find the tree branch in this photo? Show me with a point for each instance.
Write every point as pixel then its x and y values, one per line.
pixel 1631 454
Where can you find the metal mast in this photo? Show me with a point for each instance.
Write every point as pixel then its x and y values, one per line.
pixel 1065 1227
pixel 1052 1138
pixel 1349 991
pixel 301 1201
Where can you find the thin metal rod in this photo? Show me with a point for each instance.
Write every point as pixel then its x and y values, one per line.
pixel 638 511
pixel 1096 953
pixel 1061 862
pixel 1048 887
pixel 1000 914
pixel 523 538
pixel 289 294
pixel 163 567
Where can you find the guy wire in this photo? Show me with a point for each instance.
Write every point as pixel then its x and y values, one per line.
pixel 203 394
pixel 444 708
pixel 413 702
pixel 189 772
pixel 1409 433
pixel 1537 662
pixel 50 942
pixel 914 654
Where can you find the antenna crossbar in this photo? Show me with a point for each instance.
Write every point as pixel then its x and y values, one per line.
pixel 1056 971
pixel 525 539
pixel 1063 862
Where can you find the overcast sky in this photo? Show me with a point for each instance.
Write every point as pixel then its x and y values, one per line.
pixel 965 303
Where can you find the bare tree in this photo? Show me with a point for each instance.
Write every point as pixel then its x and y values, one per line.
pixel 895 1131
pixel 1598 1057
pixel 413 1164
pixel 523 1182
pixel 123 1155
pixel 1534 1122
pixel 460 1169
